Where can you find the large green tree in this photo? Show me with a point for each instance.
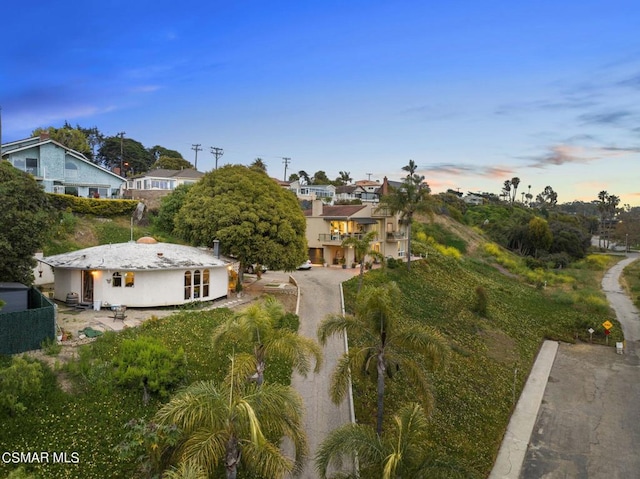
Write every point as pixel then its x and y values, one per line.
pixel 26 219
pixel 408 199
pixel 388 345
pixel 170 206
pixel 68 136
pixel 228 426
pixel 259 329
pixel 171 163
pixel 255 219
pixel 135 157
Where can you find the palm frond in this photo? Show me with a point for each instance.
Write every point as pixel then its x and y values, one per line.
pixel 297 349
pixel 343 443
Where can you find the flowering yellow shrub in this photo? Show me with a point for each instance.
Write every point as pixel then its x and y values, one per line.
pixel 597 260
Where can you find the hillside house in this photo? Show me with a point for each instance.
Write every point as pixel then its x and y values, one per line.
pixel 328 226
pixel 61 170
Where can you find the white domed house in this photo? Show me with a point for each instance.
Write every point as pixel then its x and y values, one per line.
pixel 139 274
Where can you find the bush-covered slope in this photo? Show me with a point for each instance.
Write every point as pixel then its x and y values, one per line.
pixel 491 354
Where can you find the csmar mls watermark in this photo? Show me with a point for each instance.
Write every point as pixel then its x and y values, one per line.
pixel 39 457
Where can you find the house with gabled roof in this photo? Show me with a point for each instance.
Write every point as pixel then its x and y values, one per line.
pixel 60 169
pixel 328 226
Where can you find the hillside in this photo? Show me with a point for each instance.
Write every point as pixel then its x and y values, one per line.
pixel 491 351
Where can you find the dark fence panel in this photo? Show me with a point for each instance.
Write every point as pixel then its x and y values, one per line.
pixel 22 331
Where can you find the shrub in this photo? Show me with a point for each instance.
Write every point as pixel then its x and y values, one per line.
pixel 597 261
pixel 149 365
pixel 22 378
pixel 480 301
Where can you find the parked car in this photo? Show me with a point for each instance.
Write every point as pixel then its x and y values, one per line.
pixel 306 265
pixel 252 268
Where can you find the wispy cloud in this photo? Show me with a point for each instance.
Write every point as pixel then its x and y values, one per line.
pixel 610 118
pixel 463 169
pixel 569 154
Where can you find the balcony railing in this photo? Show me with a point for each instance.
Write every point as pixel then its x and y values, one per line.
pixel 395 235
pixel 338 238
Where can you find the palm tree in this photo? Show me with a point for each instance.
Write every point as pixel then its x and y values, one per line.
pixel 227 425
pixel 362 248
pixel 345 177
pixel 259 165
pixel 515 181
pixel 258 326
pixel 400 453
pixel 304 176
pixel 412 197
pixel 388 345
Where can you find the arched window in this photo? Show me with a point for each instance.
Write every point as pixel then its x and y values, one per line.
pixel 205 283
pixel 187 285
pixel 196 284
pixel 116 280
pixel 129 279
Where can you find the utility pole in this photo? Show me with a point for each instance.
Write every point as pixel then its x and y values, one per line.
pixel 368 176
pixel 121 135
pixel 286 162
pixel 217 152
pixel 197 148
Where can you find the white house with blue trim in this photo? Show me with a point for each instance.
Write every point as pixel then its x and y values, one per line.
pixel 60 169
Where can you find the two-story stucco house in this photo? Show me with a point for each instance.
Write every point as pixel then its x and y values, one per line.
pixel 328 226
pixel 61 170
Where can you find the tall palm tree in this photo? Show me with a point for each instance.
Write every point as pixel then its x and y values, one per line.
pixel 515 182
pixel 362 248
pixel 399 453
pixel 345 177
pixel 388 345
pixel 227 425
pixel 259 165
pixel 257 327
pixel 410 198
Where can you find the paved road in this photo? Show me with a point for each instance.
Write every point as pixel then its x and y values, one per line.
pixel 588 424
pixel 319 296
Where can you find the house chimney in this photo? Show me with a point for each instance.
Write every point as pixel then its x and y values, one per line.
pixel 44 135
pixel 384 189
pixel 316 208
pixel 216 248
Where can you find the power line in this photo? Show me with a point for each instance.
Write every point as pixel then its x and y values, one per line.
pixel 217 152
pixel 197 148
pixel 286 162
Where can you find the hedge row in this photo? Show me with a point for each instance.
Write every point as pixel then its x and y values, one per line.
pixel 92 206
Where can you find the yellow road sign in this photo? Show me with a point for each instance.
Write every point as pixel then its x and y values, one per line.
pixel 607 324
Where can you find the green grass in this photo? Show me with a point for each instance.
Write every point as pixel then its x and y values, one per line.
pixel 474 394
pixel 631 275
pixel 90 420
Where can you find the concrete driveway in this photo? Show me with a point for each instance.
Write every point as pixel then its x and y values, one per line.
pixel 319 291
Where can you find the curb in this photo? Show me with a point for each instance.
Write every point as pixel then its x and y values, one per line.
pixel 512 452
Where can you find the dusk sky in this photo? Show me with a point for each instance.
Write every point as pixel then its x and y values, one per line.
pixel 475 92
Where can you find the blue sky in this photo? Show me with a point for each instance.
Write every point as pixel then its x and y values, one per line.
pixel 475 92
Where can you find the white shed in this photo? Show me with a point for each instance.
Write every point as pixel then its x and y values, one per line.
pixel 140 274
